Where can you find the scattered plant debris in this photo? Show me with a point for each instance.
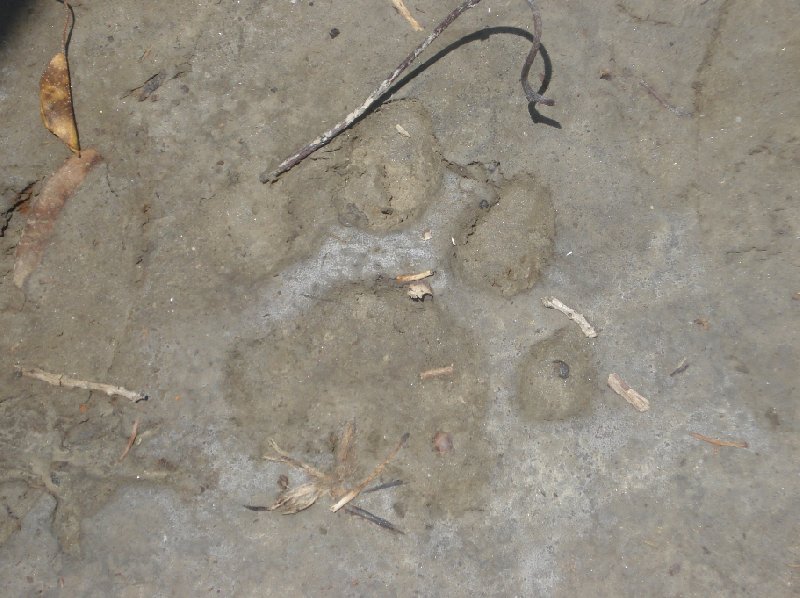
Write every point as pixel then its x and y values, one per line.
pixel 619 386
pixel 586 328
pixel 66 382
pixel 533 97
pixel 332 482
pixel 402 131
pixel 702 322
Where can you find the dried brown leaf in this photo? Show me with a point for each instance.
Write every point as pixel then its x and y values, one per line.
pixel 55 99
pixel 297 499
pixel 45 210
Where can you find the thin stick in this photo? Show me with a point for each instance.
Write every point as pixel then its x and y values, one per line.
pixel 619 386
pixel 662 101
pixel 413 277
pixel 406 14
pixel 284 457
pixel 586 328
pixel 368 480
pixel 364 514
pixel 436 372
pixel 131 440
pixel 718 442
pixel 66 382
pixel 327 136
pixel 682 367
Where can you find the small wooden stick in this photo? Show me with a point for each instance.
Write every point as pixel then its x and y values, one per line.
pixel 413 277
pixel 66 382
pixel 717 442
pixel 406 14
pixel 619 386
pixel 327 136
pixel 586 328
pixel 131 440
pixel 436 372
pixel 682 367
pixel 284 457
pixel 368 480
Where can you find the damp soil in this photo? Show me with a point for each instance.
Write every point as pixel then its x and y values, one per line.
pixel 658 197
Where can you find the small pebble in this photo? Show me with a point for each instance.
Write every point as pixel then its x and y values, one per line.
pixel 442 442
pixel 562 368
pixel 334 32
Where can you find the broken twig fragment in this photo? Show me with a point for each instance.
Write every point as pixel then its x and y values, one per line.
pixel 353 493
pixel 413 277
pixel 66 382
pixel 437 372
pixel 717 442
pixel 619 386
pixel 406 14
pixel 579 319
pixel 682 367
pixel 131 440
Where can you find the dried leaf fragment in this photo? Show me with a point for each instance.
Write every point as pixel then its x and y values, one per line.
pixel 419 290
pixel 131 440
pixel 46 209
pixel 55 100
pixel 619 386
pixel 297 499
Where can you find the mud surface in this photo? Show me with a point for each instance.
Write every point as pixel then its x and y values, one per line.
pixel 659 197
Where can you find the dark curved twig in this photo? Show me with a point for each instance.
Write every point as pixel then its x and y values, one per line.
pixel 533 96
pixel 327 136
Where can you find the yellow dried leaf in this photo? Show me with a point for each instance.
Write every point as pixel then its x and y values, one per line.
pixel 55 97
